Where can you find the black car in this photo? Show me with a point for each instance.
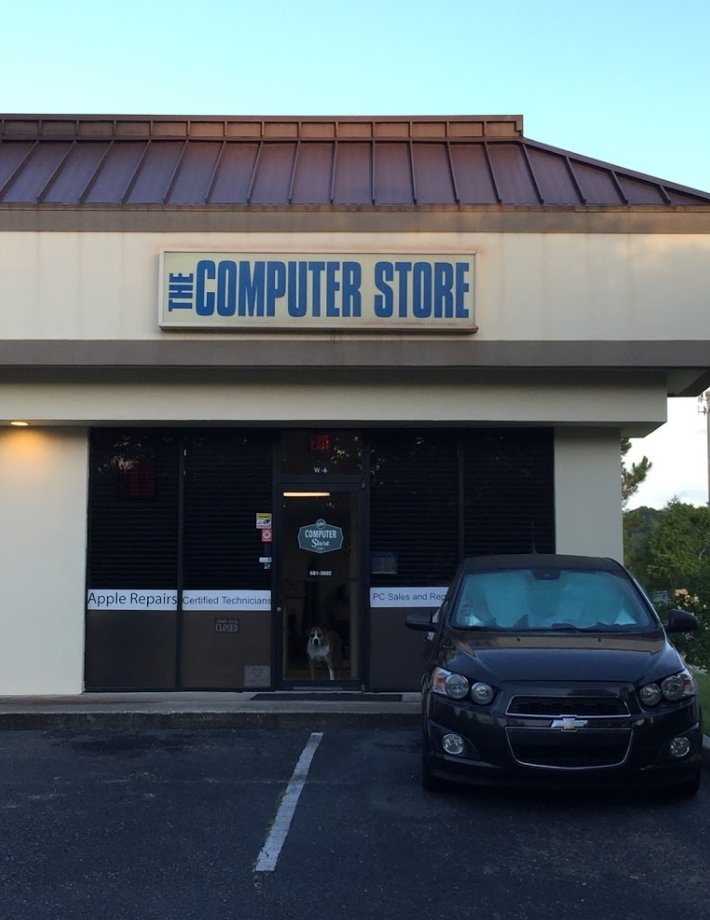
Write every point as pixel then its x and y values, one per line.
pixel 551 669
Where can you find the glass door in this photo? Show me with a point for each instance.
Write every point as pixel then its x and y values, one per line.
pixel 318 584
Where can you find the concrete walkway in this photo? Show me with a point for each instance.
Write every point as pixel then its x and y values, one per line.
pixel 308 710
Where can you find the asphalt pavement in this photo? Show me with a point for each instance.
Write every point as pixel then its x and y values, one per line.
pixel 314 710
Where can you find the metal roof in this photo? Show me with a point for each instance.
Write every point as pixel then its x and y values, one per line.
pixel 240 162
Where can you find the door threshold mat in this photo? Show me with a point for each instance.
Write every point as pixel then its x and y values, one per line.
pixel 326 696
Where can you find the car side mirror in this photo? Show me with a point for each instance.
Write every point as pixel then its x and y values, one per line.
pixel 680 621
pixel 420 619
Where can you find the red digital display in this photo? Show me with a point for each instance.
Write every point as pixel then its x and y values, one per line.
pixel 320 443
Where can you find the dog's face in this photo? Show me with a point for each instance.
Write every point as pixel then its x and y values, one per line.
pixel 316 637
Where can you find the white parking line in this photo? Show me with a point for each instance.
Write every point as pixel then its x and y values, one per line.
pixel 269 855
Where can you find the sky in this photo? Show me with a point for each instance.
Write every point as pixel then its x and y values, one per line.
pixel 624 81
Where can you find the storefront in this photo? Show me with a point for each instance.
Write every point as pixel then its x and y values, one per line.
pixel 279 374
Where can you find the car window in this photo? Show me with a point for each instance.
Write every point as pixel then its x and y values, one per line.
pixel 520 599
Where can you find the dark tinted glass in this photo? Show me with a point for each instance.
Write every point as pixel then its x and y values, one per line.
pixel 321 452
pixel 133 509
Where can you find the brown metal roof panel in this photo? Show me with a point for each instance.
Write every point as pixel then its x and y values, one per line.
pixel 11 156
pixel 233 178
pixel 677 197
pixel 553 178
pixel 432 174
pixel 393 174
pixel 312 180
pixel 150 183
pixel 512 175
pixel 76 173
pixel 352 174
pixel 597 184
pixel 36 172
pixel 472 174
pixel 195 169
pixel 272 181
pixel 115 173
pixel 640 192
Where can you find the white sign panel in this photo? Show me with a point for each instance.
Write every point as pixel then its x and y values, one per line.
pixel 307 292
pixel 226 600
pixel 130 599
pixel 123 599
pixel 407 597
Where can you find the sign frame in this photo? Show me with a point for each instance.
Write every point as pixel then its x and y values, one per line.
pixel 436 291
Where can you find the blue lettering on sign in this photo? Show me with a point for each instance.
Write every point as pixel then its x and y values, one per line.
pixel 421 290
pixel 275 285
pixel 251 289
pixel 271 288
pixel 402 269
pixel 352 279
pixel 383 305
pixel 462 288
pixel 332 286
pixel 317 268
pixel 204 299
pixel 443 289
pixel 181 290
pixel 297 289
pixel 227 288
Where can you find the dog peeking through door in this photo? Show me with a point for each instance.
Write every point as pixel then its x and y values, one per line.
pixel 324 648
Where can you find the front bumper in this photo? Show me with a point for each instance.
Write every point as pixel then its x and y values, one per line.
pixel 568 743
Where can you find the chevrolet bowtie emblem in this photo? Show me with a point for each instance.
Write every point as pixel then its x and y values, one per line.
pixel 569 724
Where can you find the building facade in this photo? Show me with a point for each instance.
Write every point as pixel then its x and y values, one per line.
pixel 278 373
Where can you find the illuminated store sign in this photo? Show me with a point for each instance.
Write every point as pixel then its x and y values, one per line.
pixel 309 292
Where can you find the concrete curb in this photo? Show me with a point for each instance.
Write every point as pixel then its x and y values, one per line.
pixel 211 711
pixel 296 720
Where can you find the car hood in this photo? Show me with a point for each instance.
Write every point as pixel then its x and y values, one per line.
pixel 535 657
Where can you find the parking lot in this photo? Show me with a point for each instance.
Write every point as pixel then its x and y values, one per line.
pixel 172 824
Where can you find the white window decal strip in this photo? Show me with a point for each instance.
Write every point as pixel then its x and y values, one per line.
pixel 232 599
pixel 131 599
pixel 407 597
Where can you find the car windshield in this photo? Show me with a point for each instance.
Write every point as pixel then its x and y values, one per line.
pixel 549 599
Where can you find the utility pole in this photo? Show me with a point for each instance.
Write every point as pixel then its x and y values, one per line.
pixel 704 407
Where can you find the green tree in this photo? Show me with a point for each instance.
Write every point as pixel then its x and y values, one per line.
pixel 633 476
pixel 638 524
pixel 678 561
pixel 679 548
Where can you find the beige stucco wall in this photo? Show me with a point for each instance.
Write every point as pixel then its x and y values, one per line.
pixel 530 286
pixel 588 492
pixel 43 495
pixel 330 399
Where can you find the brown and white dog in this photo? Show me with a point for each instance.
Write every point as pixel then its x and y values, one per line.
pixel 324 647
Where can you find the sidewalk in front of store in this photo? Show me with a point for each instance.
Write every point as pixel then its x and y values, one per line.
pixel 313 710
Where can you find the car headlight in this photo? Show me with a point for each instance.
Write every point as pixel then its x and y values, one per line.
pixel 678 686
pixel 482 693
pixel 672 688
pixel 650 694
pixel 454 685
